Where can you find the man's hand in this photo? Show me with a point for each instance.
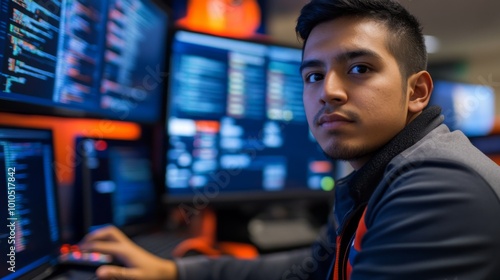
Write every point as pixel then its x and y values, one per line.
pixel 139 263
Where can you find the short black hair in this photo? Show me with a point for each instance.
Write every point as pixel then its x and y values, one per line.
pixel 406 41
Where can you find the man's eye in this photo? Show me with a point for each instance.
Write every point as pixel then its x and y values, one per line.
pixel 359 69
pixel 313 77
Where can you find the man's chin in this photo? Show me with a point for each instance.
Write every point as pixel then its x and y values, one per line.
pixel 345 153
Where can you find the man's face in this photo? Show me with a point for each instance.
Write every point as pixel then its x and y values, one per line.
pixel 353 89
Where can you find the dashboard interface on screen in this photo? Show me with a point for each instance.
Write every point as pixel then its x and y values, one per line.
pixel 236 123
pixel 98 58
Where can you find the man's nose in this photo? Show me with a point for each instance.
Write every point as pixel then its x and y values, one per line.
pixel 334 91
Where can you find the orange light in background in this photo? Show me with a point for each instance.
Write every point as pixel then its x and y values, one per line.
pixel 496 126
pixel 496 159
pixel 233 18
pixel 65 131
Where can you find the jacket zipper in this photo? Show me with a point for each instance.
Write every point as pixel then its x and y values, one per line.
pixel 343 250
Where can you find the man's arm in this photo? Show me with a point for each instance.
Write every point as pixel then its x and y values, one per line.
pixel 302 264
pixel 281 265
pixel 308 263
pixel 140 264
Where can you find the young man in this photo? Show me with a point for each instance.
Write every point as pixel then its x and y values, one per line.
pixel 423 203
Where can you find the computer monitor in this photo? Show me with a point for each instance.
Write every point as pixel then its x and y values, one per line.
pixel 114 184
pixel 489 144
pixel 466 107
pixel 31 237
pixel 93 58
pixel 236 127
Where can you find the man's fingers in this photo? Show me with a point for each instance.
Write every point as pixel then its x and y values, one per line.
pixel 105 248
pixel 109 233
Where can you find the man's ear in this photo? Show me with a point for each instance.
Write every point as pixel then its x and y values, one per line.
pixel 419 91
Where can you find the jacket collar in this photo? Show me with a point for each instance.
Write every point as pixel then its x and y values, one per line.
pixel 364 181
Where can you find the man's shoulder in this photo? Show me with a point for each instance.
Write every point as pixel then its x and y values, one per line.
pixel 443 146
pixel 443 164
pixel 440 142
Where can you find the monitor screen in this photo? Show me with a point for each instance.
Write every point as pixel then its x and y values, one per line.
pixel 90 58
pixel 466 107
pixel 235 123
pixel 490 144
pixel 30 239
pixel 115 180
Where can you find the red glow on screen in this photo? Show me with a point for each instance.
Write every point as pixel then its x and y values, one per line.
pixel 101 145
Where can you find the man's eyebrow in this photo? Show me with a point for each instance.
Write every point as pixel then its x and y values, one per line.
pixel 349 55
pixel 341 57
pixel 310 63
